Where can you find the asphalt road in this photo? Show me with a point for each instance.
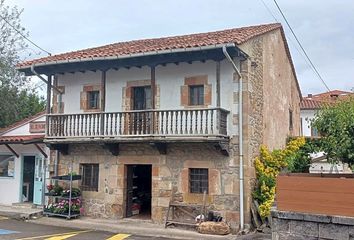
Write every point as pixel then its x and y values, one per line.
pixel 11 229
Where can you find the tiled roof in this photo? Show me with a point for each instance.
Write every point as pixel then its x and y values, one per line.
pixel 332 95
pixel 235 35
pixel 317 101
pixel 307 103
pixel 20 139
pixel 21 122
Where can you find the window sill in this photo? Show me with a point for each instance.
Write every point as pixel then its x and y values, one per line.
pixel 6 177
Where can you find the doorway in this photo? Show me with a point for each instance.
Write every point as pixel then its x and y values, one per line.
pixel 29 163
pixel 139 191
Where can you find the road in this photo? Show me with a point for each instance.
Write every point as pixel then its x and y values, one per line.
pixel 11 229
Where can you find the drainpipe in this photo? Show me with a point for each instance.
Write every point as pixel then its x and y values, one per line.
pixel 239 135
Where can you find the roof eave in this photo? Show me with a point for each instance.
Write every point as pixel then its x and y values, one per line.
pixel 151 53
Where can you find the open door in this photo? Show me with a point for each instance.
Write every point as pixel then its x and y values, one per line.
pixel 38 180
pixel 129 190
pixel 139 191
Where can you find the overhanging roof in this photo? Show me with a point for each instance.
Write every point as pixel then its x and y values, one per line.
pixel 24 139
pixel 135 60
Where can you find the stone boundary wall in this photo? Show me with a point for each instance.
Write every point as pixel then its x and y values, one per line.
pixel 291 225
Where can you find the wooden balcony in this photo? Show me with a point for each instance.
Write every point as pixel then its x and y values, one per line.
pixel 193 124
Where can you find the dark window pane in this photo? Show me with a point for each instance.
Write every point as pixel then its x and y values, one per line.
pixel 7 165
pixel 198 180
pixel 90 174
pixel 142 98
pixel 196 95
pixel 290 120
pixel 93 99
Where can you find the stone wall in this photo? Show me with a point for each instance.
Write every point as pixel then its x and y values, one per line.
pixel 290 225
pixel 169 173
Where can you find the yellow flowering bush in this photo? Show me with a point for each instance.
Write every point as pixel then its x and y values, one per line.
pixel 268 165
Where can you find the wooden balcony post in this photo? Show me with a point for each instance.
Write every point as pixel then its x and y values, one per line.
pixel 218 101
pixel 48 106
pixel 153 95
pixel 103 101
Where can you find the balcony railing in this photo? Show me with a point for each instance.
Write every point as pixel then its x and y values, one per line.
pixel 163 123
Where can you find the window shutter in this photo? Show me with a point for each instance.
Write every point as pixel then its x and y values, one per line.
pixel 83 100
pixel 207 94
pixel 184 95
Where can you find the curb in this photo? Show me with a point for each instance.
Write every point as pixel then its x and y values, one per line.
pixel 21 216
pixel 132 228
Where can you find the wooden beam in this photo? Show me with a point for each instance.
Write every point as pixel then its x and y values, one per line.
pixel 153 87
pixel 62 148
pixel 103 100
pixel 223 148
pixel 218 84
pixel 161 147
pixel 48 106
pixel 112 148
pixel 153 95
pixel 12 150
pixel 41 150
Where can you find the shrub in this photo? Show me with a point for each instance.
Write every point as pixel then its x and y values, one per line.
pixel 268 165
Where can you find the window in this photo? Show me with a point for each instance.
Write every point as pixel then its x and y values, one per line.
pixel 290 120
pixel 196 95
pixel 89 173
pixel 142 98
pixel 198 180
pixel 93 99
pixel 7 165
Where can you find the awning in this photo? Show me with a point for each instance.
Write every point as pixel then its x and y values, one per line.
pixel 25 139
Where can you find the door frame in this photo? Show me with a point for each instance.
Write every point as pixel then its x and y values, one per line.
pixel 125 193
pixel 22 156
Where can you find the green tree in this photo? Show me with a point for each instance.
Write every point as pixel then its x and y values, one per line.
pixel 335 123
pixel 12 43
pixel 18 101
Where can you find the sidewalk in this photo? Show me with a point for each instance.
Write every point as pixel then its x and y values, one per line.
pixel 19 212
pixel 129 226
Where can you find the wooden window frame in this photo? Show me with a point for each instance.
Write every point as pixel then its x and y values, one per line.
pixel 89 100
pixel 93 184
pixel 198 180
pixel 196 95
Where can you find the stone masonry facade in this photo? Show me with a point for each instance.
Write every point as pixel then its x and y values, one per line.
pixel 291 225
pixel 169 173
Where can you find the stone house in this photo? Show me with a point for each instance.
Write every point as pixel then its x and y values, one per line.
pixel 143 119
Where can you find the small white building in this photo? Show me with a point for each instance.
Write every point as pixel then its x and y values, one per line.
pixel 319 164
pixel 22 159
pixel 311 104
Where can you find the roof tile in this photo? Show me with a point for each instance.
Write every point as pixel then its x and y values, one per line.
pixel 235 35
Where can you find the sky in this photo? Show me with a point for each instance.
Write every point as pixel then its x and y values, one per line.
pixel 324 27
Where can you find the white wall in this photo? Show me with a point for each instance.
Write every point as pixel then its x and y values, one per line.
pixel 169 77
pixel 10 186
pixel 24 129
pixel 325 167
pixel 306 117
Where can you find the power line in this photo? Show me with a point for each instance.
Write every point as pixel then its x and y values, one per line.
pixel 269 11
pixel 29 40
pixel 308 58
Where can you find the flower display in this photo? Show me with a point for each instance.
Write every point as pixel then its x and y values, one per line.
pixel 62 207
